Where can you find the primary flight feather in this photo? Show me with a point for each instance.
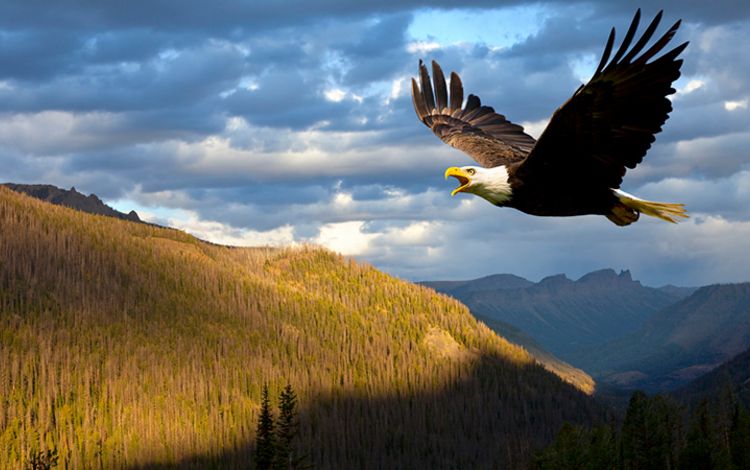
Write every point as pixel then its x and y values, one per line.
pixel 577 165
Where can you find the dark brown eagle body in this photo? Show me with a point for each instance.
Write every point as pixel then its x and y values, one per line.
pixel 553 197
pixel 577 165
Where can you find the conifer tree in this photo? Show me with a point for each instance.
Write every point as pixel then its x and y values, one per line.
pixel 697 452
pixel 265 449
pixel 739 437
pixel 663 428
pixel 567 452
pixel 602 448
pixel 287 429
pixel 723 414
pixel 633 435
pixel 651 439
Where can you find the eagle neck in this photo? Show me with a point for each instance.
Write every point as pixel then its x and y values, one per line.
pixel 496 186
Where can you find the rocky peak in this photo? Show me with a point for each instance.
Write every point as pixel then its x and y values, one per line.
pixel 607 277
pixel 71 198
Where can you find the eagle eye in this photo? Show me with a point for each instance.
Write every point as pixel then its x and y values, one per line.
pixel 471 171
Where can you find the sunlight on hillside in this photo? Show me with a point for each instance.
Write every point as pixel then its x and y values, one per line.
pixel 125 344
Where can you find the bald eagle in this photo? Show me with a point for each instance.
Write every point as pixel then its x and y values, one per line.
pixel 577 165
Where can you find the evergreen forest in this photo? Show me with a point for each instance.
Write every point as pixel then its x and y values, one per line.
pixel 125 345
pixel 658 433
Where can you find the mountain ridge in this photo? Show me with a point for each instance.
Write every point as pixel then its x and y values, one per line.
pixel 129 345
pixel 565 315
pixel 678 343
pixel 73 199
pixel 734 373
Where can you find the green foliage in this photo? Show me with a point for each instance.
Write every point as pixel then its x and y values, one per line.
pixel 602 452
pixel 265 441
pixel 575 448
pixel 651 437
pixel 286 431
pixel 649 433
pixel 567 452
pixel 635 435
pixel 739 438
pixel 697 452
pixel 275 442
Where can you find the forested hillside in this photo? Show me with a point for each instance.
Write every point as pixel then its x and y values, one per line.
pixel 127 345
pixel 703 425
pixel 733 375
pixel 658 433
pixel 571 374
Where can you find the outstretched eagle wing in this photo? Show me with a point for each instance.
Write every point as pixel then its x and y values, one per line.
pixel 608 124
pixel 477 130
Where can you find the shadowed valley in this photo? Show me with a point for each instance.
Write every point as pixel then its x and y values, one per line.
pixel 624 334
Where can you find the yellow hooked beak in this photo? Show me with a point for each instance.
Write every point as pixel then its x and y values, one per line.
pixel 461 176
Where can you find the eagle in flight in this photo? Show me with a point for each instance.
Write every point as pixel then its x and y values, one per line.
pixel 577 165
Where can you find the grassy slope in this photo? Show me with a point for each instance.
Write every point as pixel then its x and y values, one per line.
pixel 125 345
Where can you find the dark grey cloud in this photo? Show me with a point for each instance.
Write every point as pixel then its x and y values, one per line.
pixel 568 31
pixel 696 11
pixel 186 77
pixel 260 117
pixel 234 17
pixel 37 54
pixel 227 16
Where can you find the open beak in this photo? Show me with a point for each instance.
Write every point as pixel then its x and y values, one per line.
pixel 461 176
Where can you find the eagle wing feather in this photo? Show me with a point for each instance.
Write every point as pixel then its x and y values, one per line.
pixel 477 130
pixel 609 124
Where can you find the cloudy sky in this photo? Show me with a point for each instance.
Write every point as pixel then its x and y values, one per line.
pixel 278 122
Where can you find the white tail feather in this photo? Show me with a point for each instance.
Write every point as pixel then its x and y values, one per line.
pixel 662 210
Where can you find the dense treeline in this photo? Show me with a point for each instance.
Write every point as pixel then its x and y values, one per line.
pixel 658 433
pixel 127 345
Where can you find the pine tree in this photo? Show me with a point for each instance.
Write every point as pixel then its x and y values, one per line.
pixel 287 429
pixel 663 428
pixel 697 452
pixel 567 452
pixel 602 448
pixel 633 435
pixel 739 437
pixel 723 413
pixel 265 449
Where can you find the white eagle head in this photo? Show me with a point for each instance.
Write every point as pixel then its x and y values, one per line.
pixel 490 183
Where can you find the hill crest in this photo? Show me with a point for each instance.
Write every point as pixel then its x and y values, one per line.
pixel 131 345
pixel 71 198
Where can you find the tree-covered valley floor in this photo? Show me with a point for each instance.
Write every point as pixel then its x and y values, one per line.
pixel 660 432
pixel 124 345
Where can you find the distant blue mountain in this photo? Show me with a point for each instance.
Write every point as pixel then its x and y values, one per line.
pixel 565 316
pixel 677 344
